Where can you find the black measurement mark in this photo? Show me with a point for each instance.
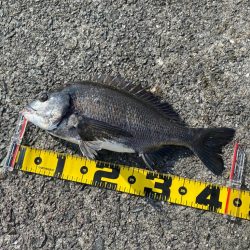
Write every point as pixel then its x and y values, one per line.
pixel 210 196
pixel 131 179
pixel 38 160
pixel 20 158
pixel 107 165
pixel 237 202
pixel 165 187
pixel 182 190
pixel 84 170
pixel 60 166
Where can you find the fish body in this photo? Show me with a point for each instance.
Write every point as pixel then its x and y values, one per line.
pixel 117 116
pixel 149 128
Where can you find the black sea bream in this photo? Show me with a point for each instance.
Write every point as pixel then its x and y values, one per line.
pixel 115 115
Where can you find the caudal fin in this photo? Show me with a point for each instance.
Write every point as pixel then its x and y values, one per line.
pixel 207 145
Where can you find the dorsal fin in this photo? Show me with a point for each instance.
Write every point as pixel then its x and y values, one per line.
pixel 139 92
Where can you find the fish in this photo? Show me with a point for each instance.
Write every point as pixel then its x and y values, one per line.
pixel 113 114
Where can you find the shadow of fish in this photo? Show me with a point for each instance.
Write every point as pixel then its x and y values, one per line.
pixel 109 113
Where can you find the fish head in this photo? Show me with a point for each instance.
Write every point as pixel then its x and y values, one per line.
pixel 48 110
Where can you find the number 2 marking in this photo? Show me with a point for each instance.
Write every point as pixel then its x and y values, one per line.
pixel 99 174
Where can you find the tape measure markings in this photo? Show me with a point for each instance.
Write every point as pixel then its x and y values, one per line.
pixel 165 187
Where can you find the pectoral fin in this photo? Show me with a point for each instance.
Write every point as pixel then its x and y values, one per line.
pixel 94 133
pixel 91 129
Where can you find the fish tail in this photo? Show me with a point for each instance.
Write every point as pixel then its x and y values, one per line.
pixel 207 145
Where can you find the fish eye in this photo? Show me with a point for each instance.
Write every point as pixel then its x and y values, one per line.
pixel 43 97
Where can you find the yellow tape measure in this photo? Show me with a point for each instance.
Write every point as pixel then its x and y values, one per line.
pixel 136 181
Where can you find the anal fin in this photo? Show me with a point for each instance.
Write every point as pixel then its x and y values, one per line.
pixel 161 158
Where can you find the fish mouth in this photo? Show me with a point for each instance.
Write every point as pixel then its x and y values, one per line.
pixel 28 109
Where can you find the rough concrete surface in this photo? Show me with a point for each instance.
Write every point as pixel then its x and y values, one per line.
pixel 195 54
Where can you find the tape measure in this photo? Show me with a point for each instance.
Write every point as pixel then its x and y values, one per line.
pixel 132 180
pixel 136 181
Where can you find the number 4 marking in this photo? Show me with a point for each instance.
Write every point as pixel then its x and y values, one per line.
pixel 209 196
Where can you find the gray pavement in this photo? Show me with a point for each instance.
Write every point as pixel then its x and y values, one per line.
pixel 194 54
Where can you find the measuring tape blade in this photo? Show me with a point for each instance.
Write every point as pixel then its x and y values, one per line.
pixel 136 181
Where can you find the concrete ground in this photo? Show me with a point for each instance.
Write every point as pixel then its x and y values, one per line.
pixel 196 54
